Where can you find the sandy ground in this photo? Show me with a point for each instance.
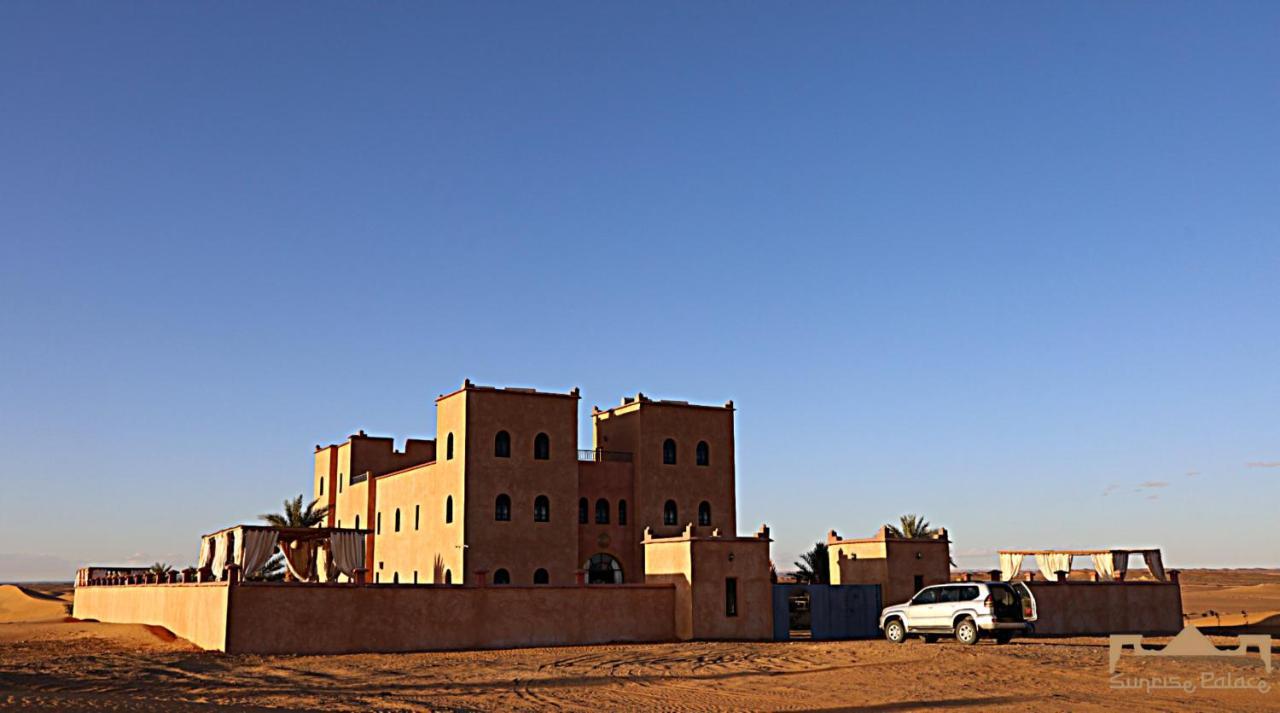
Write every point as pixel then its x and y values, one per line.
pixel 89 666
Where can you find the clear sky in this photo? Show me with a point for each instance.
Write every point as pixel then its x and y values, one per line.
pixel 1015 266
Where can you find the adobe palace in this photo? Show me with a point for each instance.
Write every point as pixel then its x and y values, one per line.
pixel 504 492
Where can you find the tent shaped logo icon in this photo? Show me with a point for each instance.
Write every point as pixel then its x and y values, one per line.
pixel 1190 643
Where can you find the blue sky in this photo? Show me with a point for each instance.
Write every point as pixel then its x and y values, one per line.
pixel 1012 266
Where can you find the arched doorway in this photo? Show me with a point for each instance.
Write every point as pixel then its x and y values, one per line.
pixel 603 569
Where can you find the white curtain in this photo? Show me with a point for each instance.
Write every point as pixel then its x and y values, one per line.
pixel 1051 562
pixel 347 551
pixel 206 553
pixel 297 557
pixel 1154 564
pixel 1120 561
pixel 255 549
pixel 219 555
pixel 1010 565
pixel 1104 565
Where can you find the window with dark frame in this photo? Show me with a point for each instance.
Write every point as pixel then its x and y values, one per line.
pixel 731 596
pixel 502 445
pixel 704 513
pixel 622 512
pixel 542 447
pixel 602 512
pixel 669 514
pixel 582 511
pixel 669 452
pixel 703 455
pixel 502 508
pixel 542 509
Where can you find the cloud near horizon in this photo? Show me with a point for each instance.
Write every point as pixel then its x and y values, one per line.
pixel 1263 464
pixel 1154 484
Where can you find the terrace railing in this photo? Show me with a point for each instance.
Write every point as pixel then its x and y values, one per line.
pixel 599 455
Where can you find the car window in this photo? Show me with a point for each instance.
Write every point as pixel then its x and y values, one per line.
pixel 947 594
pixel 968 593
pixel 926 596
pixel 1003 594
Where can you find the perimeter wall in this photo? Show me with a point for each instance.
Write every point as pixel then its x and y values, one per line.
pixel 333 619
pixel 196 612
pixel 1100 608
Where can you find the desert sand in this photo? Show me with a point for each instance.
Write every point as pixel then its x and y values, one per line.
pixel 89 666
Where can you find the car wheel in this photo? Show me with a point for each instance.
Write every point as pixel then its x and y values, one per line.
pixel 1004 638
pixel 895 632
pixel 967 632
pixel 930 638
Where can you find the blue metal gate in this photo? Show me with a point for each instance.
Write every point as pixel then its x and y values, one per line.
pixel 846 611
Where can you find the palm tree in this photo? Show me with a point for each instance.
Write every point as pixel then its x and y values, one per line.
pixel 814 567
pixel 913 527
pixel 295 516
pixel 160 569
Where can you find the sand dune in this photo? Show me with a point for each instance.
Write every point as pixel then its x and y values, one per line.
pixel 20 604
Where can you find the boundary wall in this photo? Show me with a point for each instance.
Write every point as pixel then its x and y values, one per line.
pixel 342 618
pixel 1102 608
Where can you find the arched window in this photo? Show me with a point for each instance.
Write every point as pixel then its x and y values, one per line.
pixel 378 531
pixel 669 515
pixel 397 519
pixel 703 454
pixel 541 577
pixel 448 447
pixel 602 512
pixel 357 522
pixel 417 511
pixel 502 445
pixel 704 513
pixel 448 511
pixel 501 576
pixel 502 508
pixel 542 509
pixel 542 447
pixel 603 569
pixel 322 486
pixel 395 578
pixel 582 511
pixel 622 512
pixel 669 452
pixel 448 577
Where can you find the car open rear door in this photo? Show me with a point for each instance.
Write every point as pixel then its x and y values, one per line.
pixel 1028 600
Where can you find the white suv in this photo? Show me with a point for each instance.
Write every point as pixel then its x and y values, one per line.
pixel 967 610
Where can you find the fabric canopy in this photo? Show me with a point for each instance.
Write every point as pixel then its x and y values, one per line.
pixel 1052 562
pixel 206 553
pixel 1010 565
pixel 255 549
pixel 1154 564
pixel 219 555
pixel 1120 561
pixel 1104 565
pixel 347 551
pixel 297 557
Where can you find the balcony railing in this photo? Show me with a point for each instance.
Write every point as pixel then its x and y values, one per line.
pixel 598 455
